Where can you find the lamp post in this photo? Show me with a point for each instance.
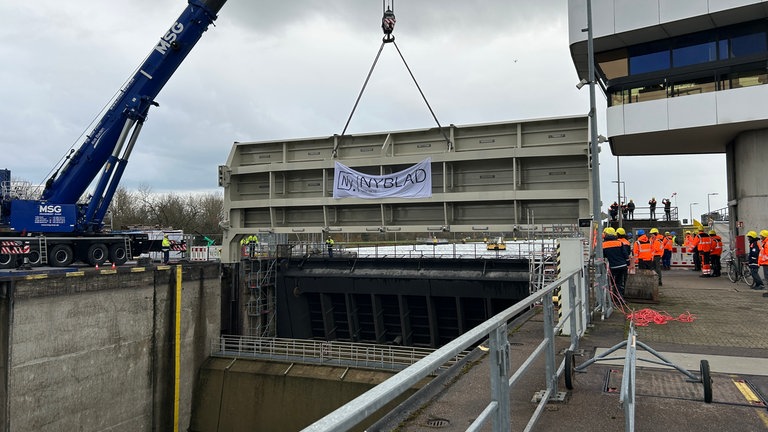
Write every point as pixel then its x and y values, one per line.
pixel 690 211
pixel 709 212
pixel 601 278
pixel 622 198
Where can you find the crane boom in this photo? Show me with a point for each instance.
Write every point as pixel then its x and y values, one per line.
pixel 104 149
pixel 65 230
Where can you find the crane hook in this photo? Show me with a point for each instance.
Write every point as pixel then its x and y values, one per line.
pixel 388 23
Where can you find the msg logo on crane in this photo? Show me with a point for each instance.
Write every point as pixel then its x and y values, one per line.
pixel 169 39
pixel 49 209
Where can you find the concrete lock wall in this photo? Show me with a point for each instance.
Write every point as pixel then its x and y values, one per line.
pixel 246 395
pixel 94 350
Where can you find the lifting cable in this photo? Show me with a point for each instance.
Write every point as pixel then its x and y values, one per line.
pixel 387 26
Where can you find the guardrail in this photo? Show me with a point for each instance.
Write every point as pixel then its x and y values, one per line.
pixel 353 354
pixel 502 380
pixel 515 249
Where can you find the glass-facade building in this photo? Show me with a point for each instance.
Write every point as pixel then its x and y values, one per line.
pixel 684 77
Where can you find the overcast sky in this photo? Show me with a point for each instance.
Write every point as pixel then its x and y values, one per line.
pixel 293 69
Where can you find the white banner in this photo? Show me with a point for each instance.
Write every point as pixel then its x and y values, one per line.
pixel 413 182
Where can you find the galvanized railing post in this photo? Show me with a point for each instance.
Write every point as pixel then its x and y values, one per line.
pixel 575 317
pixel 499 351
pixel 549 336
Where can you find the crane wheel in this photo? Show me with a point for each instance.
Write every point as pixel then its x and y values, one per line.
pixel 61 255
pixel 97 254
pixel 7 261
pixel 118 254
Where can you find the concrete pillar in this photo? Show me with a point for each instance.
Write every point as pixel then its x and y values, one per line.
pixel 747 161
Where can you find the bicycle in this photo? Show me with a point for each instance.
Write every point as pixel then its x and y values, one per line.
pixel 738 270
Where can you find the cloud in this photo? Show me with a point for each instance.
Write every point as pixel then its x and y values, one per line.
pixel 289 70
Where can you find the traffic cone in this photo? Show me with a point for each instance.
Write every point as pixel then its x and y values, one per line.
pixel 97 266
pixel 113 266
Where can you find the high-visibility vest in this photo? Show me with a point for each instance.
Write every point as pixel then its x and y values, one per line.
pixel 705 244
pixel 762 258
pixel 658 246
pixel 668 243
pixel 688 243
pixel 717 245
pixel 642 249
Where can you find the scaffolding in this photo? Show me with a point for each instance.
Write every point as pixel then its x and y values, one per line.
pixel 258 272
pixel 542 266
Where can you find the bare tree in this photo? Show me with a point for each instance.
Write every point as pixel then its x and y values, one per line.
pixel 198 214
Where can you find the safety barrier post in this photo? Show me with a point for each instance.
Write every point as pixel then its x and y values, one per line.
pixel 499 351
pixel 549 335
pixel 570 257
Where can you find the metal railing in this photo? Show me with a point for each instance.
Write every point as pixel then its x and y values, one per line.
pixel 352 354
pixel 515 249
pixel 501 377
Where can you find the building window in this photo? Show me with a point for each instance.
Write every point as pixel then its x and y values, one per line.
pixel 744 79
pixel 613 64
pixel 751 44
pixel 690 87
pixel 720 59
pixel 694 54
pixel 651 62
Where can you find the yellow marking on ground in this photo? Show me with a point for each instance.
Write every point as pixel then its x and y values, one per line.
pixel 752 398
pixel 163 267
pixel 109 271
pixel 138 269
pixel 764 417
pixel 75 273
pixel 745 390
pixel 35 276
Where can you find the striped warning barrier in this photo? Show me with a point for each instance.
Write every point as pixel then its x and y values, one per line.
pixel 557 297
pixel 198 253
pixel 14 247
pixel 205 253
pixel 681 258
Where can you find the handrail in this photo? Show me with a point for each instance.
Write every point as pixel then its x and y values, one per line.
pixel 354 354
pixel 495 329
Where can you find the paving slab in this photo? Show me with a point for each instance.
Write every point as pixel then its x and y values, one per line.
pixel 729 330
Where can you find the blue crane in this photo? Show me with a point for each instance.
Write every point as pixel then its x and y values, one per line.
pixel 103 154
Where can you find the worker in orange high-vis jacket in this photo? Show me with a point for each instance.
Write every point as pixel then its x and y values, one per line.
pixel 688 243
pixel 642 251
pixel 657 249
pixel 696 255
pixel 762 258
pixel 616 255
pixel 715 253
pixel 704 245
pixel 666 259
pixel 621 235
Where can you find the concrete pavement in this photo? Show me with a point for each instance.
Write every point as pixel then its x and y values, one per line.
pixel 730 331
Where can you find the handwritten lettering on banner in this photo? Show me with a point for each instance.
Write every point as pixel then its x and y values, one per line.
pixel 412 182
